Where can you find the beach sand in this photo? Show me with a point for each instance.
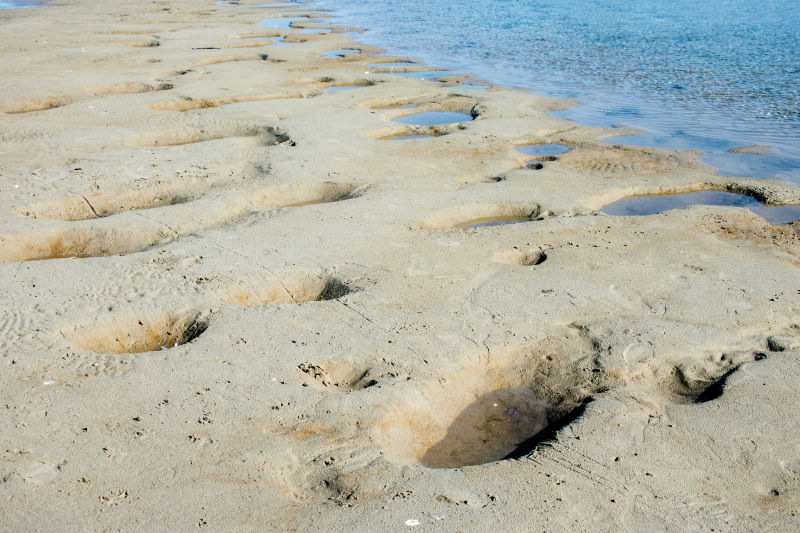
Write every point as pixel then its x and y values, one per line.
pixel 232 301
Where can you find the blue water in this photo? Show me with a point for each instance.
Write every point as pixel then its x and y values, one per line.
pixel 434 118
pixel 17 4
pixel 650 205
pixel 702 75
pixel 543 150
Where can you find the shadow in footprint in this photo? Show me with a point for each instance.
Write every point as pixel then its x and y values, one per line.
pixel 548 434
pixel 493 427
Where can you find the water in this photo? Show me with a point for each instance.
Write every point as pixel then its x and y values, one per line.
pixel 543 150
pixel 344 88
pixel 650 205
pixel 702 75
pixel 332 54
pixel 402 64
pixel 18 4
pixel 751 165
pixel 281 23
pixel 426 75
pixel 434 118
pixel 488 222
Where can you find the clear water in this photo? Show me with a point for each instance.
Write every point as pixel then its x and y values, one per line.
pixel 278 23
pixel 702 75
pixel 332 54
pixel 493 221
pixel 650 205
pixel 543 150
pixel 18 4
pixel 344 88
pixel 472 87
pixel 434 118
pixel 391 65
pixel 752 165
pixel 426 75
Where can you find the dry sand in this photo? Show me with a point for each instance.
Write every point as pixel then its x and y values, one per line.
pixel 230 302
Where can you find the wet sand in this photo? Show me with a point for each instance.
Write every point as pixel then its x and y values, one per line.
pixel 233 299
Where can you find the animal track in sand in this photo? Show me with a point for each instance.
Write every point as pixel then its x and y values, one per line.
pixel 339 85
pixel 337 376
pixel 691 379
pixel 216 60
pixel 539 153
pixel 41 104
pixel 502 405
pixel 398 133
pixel 455 110
pixel 210 132
pixel 521 256
pixel 396 108
pixel 146 43
pixel 99 205
pixel 341 53
pixel 288 288
pixel 137 332
pixel 488 409
pixel 483 214
pixel 109 236
pixel 82 241
pixel 398 103
pixel 251 44
pixel 203 103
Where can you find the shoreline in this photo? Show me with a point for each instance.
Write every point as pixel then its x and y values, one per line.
pixel 606 105
pixel 235 301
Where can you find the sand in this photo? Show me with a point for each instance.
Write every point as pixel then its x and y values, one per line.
pixel 232 301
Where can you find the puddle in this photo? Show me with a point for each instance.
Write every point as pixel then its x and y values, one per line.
pixel 752 165
pixel 332 54
pixel 408 137
pixel 650 205
pixel 316 30
pixel 280 42
pixel 493 221
pixel 281 23
pixel 434 118
pixel 412 106
pixel 391 65
pixel 543 150
pixel 490 429
pixel 345 88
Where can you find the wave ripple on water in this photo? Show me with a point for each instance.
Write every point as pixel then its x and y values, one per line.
pixel 725 72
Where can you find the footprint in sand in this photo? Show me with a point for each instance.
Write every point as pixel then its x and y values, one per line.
pixel 51 102
pixel 122 234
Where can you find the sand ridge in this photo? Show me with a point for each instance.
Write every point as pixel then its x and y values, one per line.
pixel 234 299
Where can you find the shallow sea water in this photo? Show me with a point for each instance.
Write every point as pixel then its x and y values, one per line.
pixel 17 4
pixel 699 75
pixel 650 205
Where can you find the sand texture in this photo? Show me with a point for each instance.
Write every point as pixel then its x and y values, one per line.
pixel 231 300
